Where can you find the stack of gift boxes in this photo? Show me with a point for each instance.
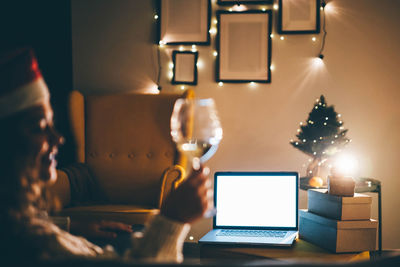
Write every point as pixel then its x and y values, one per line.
pixel 338 220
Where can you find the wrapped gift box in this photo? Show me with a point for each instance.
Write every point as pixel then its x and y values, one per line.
pixel 357 207
pixel 338 236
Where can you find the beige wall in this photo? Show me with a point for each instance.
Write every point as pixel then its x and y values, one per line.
pixel 113 51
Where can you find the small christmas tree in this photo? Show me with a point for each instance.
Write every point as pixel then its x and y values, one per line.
pixel 322 136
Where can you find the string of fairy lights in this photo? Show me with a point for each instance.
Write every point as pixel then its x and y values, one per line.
pixel 238 6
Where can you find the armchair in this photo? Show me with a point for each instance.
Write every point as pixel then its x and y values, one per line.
pixel 124 141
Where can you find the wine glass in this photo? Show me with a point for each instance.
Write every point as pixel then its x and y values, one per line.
pixel 195 128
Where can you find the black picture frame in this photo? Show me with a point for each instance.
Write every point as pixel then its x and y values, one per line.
pixel 288 25
pixel 244 49
pixel 185 67
pixel 244 2
pixel 184 24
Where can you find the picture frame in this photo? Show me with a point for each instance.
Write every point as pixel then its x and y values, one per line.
pixel 184 22
pixel 245 2
pixel 244 46
pixel 185 67
pixel 299 16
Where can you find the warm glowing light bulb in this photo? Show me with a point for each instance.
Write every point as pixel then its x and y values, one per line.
pixel 200 64
pixel 263 9
pixel 155 16
pixel 181 48
pixel 346 164
pixel 276 6
pixel 161 43
pixel 194 48
pixel 182 87
pixel 282 38
pixel 191 237
pixel 215 21
pixel 213 31
pixel 314 39
pixel 230 10
pixel 272 67
pixel 220 84
pixel 215 53
pixel 252 84
pixel 271 35
pixel 171 65
pixel 321 8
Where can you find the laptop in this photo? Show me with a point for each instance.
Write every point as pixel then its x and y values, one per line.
pixel 254 208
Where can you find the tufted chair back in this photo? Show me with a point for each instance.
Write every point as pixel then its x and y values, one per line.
pixel 124 139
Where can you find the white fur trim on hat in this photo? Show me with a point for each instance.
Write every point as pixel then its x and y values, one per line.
pixel 26 96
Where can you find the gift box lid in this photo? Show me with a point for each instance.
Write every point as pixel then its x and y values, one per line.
pixel 322 194
pixel 360 224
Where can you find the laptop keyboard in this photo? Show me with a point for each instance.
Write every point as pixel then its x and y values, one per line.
pixel 252 233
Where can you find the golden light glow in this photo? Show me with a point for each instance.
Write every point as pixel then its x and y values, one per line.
pixel 170 74
pixel 271 35
pixel 220 84
pixel 155 16
pixel 239 8
pixel 215 53
pixel 276 6
pixel 272 67
pixel 213 30
pixel 170 65
pixel 200 64
pixel 181 48
pixel 346 164
pixel 282 38
pixel 152 89
pixel 314 39
pixel 317 63
pixel 182 87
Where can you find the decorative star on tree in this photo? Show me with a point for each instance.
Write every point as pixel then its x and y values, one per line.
pixel 322 135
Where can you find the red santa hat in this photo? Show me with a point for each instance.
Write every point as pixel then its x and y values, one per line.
pixel 21 82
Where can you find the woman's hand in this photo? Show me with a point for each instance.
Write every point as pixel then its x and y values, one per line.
pixel 190 201
pixel 102 229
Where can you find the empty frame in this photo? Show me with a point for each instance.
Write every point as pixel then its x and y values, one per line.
pixel 244 46
pixel 299 16
pixel 245 2
pixel 185 67
pixel 185 22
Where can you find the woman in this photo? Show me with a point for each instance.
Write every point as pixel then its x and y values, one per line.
pixel 28 145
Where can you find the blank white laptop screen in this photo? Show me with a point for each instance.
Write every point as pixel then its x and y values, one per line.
pixel 256 200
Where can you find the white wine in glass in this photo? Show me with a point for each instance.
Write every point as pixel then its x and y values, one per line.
pixel 195 128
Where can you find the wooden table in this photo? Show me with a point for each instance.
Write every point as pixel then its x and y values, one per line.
pixel 300 251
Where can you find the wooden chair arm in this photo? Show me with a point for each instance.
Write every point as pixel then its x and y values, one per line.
pixel 172 177
pixel 60 191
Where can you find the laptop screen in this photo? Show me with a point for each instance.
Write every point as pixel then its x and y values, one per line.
pixel 265 200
